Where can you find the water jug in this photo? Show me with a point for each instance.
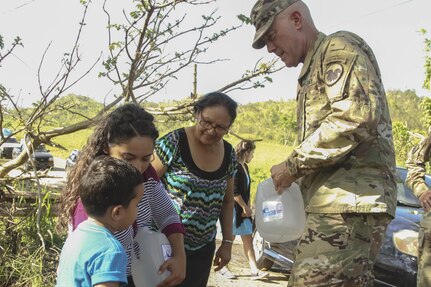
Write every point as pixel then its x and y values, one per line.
pixel 279 217
pixel 154 249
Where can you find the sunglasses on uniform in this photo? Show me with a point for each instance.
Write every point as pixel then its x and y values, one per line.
pixel 206 124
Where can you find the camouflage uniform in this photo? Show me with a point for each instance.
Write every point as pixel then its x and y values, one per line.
pixel 417 158
pixel 345 159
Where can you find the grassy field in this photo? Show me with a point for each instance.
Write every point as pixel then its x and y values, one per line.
pixel 70 142
pixel 266 154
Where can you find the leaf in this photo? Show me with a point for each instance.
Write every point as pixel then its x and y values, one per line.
pixel 243 18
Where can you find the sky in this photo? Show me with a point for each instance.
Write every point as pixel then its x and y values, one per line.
pixel 389 26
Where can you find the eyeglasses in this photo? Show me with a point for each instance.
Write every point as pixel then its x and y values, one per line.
pixel 210 125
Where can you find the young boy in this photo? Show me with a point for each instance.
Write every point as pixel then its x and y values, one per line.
pixel 110 191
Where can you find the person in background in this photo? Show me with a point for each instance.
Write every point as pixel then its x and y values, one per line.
pixel 416 161
pixel 129 133
pixel 110 191
pixel 345 159
pixel 242 214
pixel 197 168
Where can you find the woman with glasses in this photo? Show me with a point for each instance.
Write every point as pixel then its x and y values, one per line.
pixel 128 133
pixel 197 167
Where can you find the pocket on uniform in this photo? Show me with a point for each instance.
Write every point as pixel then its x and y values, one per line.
pixel 327 232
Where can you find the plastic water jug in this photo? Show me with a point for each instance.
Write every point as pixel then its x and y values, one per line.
pixel 154 249
pixel 279 217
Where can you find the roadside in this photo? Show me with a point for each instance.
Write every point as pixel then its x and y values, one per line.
pixel 55 177
pixel 239 266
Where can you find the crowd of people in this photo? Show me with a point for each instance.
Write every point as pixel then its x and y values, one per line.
pixel 127 177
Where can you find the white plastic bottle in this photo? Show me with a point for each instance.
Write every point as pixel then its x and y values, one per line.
pixel 279 217
pixel 154 249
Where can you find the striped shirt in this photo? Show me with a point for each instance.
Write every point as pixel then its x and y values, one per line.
pixel 197 195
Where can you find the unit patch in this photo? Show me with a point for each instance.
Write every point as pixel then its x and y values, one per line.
pixel 333 74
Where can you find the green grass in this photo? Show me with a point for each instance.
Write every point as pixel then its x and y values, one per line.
pixel 70 142
pixel 266 155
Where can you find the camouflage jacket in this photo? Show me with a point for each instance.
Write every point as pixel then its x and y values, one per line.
pixel 416 160
pixel 346 157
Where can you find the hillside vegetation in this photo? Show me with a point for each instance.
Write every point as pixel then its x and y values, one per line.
pixel 274 122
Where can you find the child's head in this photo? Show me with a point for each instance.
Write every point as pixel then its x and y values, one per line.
pixel 127 123
pixel 244 150
pixel 111 187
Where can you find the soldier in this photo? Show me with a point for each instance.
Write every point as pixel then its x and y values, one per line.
pixel 345 160
pixel 417 158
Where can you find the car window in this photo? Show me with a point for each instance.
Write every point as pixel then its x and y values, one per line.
pixel 74 155
pixel 11 140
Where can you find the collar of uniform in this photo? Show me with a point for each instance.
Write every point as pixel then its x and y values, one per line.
pixel 311 53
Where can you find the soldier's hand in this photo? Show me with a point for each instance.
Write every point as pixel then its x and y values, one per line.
pixel 425 200
pixel 281 177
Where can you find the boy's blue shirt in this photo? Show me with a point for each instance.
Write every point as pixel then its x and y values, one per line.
pixel 91 255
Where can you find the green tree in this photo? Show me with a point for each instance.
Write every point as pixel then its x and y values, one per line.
pixel 403 106
pixel 426 103
pixel 427 65
pixel 142 57
pixel 403 141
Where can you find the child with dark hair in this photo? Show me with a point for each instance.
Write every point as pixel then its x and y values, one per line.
pixel 110 191
pixel 128 133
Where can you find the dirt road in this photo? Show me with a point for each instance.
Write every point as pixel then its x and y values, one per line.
pixel 239 266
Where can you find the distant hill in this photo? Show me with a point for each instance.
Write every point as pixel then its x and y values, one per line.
pixel 73 109
pixel 273 121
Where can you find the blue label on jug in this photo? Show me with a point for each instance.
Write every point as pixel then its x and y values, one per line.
pixel 272 210
pixel 166 251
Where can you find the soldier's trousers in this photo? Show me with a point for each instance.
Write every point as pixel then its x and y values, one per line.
pixel 338 249
pixel 424 253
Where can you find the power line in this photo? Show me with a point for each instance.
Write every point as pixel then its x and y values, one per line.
pixel 387 8
pixel 374 13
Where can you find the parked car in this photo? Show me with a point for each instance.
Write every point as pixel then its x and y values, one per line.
pixel 71 161
pixel 41 156
pixel 7 147
pixel 396 263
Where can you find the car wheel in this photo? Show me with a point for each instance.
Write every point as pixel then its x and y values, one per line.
pixel 259 245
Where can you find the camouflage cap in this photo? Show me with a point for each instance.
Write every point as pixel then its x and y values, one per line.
pixel 262 15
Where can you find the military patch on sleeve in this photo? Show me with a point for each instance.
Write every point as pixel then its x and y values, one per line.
pixel 333 73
